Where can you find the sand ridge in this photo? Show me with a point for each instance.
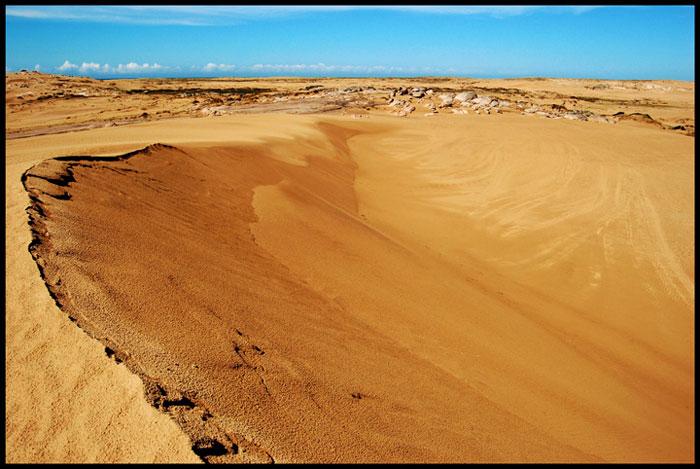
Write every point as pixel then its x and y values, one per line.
pixel 78 397
pixel 261 380
pixel 322 288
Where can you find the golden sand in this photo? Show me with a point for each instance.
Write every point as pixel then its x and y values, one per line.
pixel 323 287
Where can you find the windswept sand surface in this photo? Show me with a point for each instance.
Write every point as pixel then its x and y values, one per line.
pixel 451 288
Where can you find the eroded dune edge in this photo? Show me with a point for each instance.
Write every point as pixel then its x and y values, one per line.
pixel 171 257
pixel 193 417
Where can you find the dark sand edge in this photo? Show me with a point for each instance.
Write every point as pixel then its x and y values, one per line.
pixel 208 439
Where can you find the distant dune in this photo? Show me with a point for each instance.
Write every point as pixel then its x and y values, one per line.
pixel 364 283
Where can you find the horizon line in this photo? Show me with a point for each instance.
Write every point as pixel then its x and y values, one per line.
pixel 340 77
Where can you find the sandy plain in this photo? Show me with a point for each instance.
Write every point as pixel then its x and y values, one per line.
pixel 304 270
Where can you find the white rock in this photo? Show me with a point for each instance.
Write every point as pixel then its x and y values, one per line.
pixel 409 108
pixel 482 100
pixel 465 96
pixel 446 100
pixel 596 118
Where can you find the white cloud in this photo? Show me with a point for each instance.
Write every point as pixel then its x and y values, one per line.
pixel 37 67
pixel 156 14
pixel 212 67
pixel 90 67
pixel 67 66
pixel 229 14
pixel 133 67
pixel 107 14
pixel 321 67
pixel 501 11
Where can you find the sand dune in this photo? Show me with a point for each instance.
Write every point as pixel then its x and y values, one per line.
pixel 322 324
pixel 452 288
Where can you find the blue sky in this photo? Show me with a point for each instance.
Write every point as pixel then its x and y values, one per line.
pixel 642 42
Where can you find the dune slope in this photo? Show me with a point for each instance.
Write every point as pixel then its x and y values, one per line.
pixel 428 291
